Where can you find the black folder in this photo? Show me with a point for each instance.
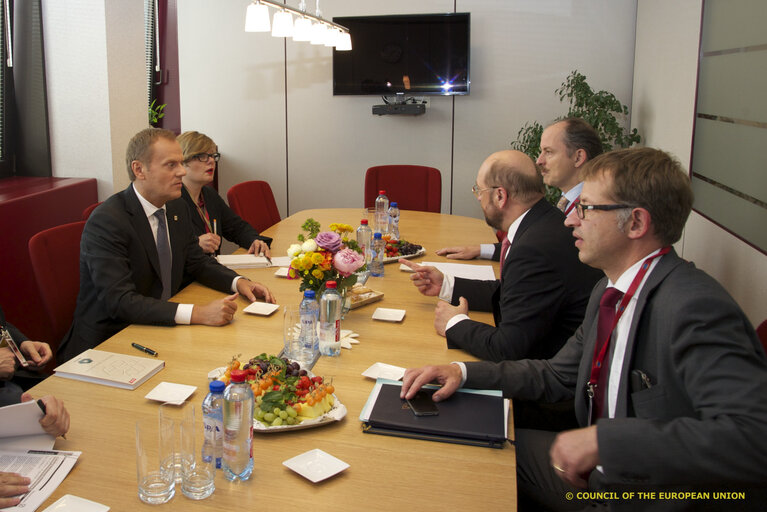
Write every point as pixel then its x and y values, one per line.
pixel 464 418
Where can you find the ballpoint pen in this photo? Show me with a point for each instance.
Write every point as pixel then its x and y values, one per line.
pixel 144 349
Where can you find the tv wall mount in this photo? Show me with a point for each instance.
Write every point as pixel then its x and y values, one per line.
pixel 400 105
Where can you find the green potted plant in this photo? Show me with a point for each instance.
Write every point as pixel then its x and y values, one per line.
pixel 601 109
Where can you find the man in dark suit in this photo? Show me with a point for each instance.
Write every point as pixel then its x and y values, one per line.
pixel 669 378
pixel 542 294
pixel 136 248
pixel 566 146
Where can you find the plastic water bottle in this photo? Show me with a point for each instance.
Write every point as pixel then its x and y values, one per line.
pixel 238 428
pixel 309 311
pixel 364 239
pixel 376 255
pixel 382 213
pixel 213 419
pixel 331 303
pixel 394 220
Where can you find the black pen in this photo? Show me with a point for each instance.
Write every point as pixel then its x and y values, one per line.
pixel 41 404
pixel 144 349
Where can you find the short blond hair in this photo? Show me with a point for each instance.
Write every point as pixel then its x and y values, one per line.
pixel 193 143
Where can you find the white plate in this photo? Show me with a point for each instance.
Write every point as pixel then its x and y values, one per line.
pixel 384 371
pixel 392 259
pixel 316 465
pixel 261 308
pixel 282 272
pixel 171 393
pixel 71 503
pixel 336 413
pixel 389 315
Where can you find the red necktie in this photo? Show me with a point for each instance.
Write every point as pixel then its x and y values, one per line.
pixel 504 251
pixel 607 303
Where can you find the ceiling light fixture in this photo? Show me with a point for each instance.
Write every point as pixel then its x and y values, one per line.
pixel 307 27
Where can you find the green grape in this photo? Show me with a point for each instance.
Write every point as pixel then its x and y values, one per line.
pixel 276 411
pixel 269 417
pixel 291 412
pixel 277 422
pixel 259 414
pixel 291 420
pixel 283 414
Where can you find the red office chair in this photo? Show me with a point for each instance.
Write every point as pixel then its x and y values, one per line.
pixel 254 202
pixel 55 257
pixel 413 187
pixel 87 212
pixel 761 331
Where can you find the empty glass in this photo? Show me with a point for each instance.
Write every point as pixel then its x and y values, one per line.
pixel 156 482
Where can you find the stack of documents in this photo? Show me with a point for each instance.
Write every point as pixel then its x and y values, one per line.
pixel 237 261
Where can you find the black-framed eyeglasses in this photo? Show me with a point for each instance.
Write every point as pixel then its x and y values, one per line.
pixel 582 208
pixel 477 191
pixel 203 157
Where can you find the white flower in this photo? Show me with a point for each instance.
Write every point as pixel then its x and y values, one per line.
pixel 309 246
pixel 294 250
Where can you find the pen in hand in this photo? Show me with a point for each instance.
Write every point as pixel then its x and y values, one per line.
pixel 144 349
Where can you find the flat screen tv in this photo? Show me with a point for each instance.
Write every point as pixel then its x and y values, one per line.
pixel 413 54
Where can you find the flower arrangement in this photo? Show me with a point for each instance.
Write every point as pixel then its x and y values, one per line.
pixel 325 256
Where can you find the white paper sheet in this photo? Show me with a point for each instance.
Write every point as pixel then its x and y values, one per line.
pixel 46 468
pixel 481 272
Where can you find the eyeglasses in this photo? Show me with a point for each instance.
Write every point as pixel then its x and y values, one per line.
pixel 582 208
pixel 477 191
pixel 203 157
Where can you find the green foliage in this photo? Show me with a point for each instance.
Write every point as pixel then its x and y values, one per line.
pixel 312 227
pixel 600 109
pixel 156 113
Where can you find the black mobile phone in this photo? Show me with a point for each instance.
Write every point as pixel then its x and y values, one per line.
pixel 422 404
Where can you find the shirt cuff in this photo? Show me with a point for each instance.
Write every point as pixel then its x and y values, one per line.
pixel 184 314
pixel 463 372
pixel 457 318
pixel 234 283
pixel 486 251
pixel 446 292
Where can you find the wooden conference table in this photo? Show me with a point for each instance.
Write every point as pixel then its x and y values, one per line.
pixel 385 473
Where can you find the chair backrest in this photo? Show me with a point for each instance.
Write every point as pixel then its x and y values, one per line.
pixel 55 257
pixel 254 202
pixel 87 212
pixel 413 187
pixel 761 331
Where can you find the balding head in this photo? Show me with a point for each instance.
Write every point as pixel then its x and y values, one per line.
pixel 515 172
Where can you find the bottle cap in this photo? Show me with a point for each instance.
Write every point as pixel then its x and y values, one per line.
pixel 331 284
pixel 377 235
pixel 381 192
pixel 217 386
pixel 364 222
pixel 308 294
pixel 239 375
pixel 394 204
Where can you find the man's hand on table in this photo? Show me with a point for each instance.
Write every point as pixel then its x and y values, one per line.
pixel 466 252
pixel 217 313
pixel 252 290
pixel 444 312
pixel 574 455
pixel 56 419
pixel 259 248
pixel 449 376
pixel 428 280
pixel 12 484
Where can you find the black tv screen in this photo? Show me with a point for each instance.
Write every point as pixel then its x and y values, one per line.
pixel 413 54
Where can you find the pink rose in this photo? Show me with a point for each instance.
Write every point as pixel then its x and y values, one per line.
pixel 328 240
pixel 347 261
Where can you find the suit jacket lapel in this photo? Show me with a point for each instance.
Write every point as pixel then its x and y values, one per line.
pixel 666 264
pixel 178 231
pixel 141 225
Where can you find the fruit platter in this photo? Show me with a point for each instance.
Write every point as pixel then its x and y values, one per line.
pixel 286 397
pixel 396 249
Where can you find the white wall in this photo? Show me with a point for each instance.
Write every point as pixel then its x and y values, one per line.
pixel 96 82
pixel 313 148
pixel 663 108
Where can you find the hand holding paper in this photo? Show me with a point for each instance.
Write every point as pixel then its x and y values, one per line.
pixel 428 280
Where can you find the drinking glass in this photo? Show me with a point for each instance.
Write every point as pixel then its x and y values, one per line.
pixel 172 416
pixel 197 474
pixel 156 482
pixel 291 332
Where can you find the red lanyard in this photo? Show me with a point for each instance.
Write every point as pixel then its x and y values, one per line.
pixel 572 205
pixel 599 358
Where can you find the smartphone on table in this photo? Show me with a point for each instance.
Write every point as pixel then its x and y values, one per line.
pixel 422 404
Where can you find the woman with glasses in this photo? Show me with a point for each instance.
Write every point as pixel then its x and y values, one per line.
pixel 211 217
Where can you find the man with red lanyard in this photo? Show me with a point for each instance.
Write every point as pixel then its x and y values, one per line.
pixel 668 375
pixel 565 148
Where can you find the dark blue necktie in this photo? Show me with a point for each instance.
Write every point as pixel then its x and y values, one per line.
pixel 163 253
